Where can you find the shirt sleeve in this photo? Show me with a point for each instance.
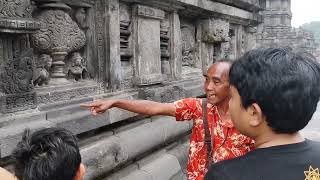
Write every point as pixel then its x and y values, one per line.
pixel 187 109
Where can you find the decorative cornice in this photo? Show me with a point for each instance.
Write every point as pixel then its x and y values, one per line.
pixel 11 25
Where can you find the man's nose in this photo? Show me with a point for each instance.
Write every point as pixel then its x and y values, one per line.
pixel 211 86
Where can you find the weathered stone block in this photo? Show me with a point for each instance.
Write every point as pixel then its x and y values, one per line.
pixel 11 135
pixel 163 168
pixel 215 30
pixel 170 127
pixel 102 156
pixel 147 45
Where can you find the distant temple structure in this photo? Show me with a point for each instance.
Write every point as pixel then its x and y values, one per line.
pixel 277 30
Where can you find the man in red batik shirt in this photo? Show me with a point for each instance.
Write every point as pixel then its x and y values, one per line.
pixel 228 142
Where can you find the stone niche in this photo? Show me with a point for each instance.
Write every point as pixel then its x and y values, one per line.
pixel 147 44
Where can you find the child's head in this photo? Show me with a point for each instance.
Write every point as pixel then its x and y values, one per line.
pixel 48 154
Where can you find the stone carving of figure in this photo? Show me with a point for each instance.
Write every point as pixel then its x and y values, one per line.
pixel 41 75
pixel 187 58
pixel 17 74
pixel 80 15
pixel 77 70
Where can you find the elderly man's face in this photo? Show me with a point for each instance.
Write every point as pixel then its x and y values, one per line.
pixel 217 86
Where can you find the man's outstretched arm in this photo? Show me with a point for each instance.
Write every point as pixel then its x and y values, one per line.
pixel 137 106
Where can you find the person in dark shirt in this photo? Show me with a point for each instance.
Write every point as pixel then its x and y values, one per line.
pixel 274 93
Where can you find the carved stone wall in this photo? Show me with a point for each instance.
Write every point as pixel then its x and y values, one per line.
pixel 57 54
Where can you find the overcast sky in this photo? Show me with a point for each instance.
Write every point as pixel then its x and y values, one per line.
pixel 305 11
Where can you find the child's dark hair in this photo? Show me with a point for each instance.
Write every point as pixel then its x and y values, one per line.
pixel 47 154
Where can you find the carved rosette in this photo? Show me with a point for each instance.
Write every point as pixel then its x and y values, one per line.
pixel 58 36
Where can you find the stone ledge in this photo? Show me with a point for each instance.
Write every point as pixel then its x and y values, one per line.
pixel 222 9
pixel 69 115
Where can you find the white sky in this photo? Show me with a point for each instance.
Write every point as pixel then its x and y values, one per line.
pixel 304 11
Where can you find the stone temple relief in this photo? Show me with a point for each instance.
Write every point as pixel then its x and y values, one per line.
pixel 188 43
pixel 59 35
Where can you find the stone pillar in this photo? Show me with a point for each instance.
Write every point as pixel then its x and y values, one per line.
pixel 176 53
pixel 113 45
pixel 147 52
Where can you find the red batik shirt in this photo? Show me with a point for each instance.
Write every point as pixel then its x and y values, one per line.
pixel 228 142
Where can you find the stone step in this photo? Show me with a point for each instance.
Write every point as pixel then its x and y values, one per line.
pixel 158 165
pixel 103 155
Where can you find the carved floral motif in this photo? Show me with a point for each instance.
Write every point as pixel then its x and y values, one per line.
pixel 15 8
pixel 58 31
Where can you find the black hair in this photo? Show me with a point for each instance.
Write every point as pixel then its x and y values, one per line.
pixel 47 154
pixel 284 83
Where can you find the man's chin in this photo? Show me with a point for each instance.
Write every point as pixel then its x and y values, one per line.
pixel 212 101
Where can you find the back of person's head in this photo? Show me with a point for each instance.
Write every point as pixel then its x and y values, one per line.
pixel 48 154
pixel 284 83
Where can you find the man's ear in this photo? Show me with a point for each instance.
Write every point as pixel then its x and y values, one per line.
pixel 80 172
pixel 256 115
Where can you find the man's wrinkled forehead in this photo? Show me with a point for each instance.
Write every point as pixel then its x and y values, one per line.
pixel 219 70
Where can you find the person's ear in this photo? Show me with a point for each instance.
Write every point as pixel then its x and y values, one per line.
pixel 80 172
pixel 256 115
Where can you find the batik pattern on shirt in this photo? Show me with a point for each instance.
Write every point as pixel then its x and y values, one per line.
pixel 228 142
